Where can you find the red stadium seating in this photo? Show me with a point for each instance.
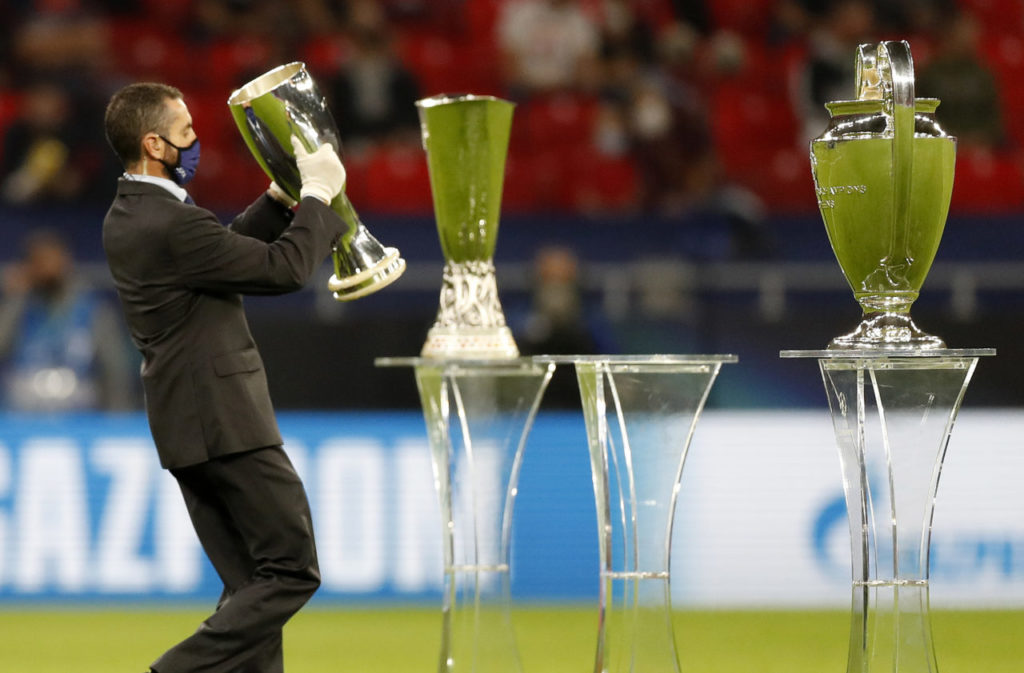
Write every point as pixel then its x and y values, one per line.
pixel 987 182
pixel 453 49
pixel 148 51
pixel 596 183
pixel 228 64
pixel 750 17
pixel 446 65
pixel 324 55
pixel 556 122
pixel 748 124
pixel 997 15
pixel 1005 53
pixel 397 180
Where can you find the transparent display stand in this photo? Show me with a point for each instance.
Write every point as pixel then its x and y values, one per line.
pixel 478 414
pixel 640 413
pixel 892 413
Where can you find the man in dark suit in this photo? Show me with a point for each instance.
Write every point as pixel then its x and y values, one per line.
pixel 180 275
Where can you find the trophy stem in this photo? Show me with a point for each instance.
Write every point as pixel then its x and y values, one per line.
pixel 886 330
pixel 470 323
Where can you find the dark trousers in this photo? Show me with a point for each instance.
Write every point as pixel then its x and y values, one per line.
pixel 252 517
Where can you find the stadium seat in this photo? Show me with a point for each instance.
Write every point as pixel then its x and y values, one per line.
pixel 561 121
pixel 1005 54
pixel 749 17
pixel 356 170
pixel 10 108
pixel 987 182
pixel 747 124
pixel 785 183
pixel 597 183
pixel 657 14
pixel 996 15
pixel 324 55
pixel 482 17
pixel 445 65
pixel 147 51
pixel 226 181
pixel 231 63
pixel 211 115
pixel 397 181
pixel 520 193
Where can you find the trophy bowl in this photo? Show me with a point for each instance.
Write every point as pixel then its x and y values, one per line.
pixel 270 109
pixel 883 175
pixel 466 141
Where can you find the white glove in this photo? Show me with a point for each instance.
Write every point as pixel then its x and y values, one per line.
pixel 322 173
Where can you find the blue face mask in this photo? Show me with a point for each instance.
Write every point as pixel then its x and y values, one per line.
pixel 184 169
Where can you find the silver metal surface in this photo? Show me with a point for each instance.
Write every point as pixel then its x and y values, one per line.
pixel 269 110
pixel 883 173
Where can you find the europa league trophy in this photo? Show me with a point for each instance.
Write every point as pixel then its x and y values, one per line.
pixel 479 397
pixel 883 172
pixel 285 102
pixel 466 140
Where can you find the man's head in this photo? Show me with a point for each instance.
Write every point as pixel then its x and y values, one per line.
pixel 148 126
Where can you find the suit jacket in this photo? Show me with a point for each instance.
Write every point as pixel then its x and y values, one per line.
pixel 180 275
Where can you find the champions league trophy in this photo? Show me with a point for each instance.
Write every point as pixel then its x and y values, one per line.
pixel 479 398
pixel 268 111
pixel 466 140
pixel 883 172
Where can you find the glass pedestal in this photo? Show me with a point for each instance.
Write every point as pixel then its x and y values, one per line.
pixel 892 412
pixel 640 414
pixel 478 414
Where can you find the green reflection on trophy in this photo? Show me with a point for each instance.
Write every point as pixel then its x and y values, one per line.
pixel 269 110
pixel 883 173
pixel 466 141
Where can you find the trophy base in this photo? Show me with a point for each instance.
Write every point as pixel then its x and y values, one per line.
pixel 470 343
pixel 887 330
pixel 382 274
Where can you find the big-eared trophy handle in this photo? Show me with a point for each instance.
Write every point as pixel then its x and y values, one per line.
pixel 885 70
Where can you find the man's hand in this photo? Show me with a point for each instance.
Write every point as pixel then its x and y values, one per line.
pixel 322 173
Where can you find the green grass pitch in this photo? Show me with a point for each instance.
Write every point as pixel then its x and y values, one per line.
pixel 551 640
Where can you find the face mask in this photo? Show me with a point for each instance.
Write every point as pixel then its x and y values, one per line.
pixel 188 161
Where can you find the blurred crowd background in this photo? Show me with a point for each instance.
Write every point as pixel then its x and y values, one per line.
pixel 658 195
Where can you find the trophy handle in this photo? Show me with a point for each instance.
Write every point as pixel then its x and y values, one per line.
pixel 885 70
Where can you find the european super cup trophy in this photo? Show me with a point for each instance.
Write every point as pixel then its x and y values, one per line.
pixel 466 140
pixel 883 171
pixel 268 111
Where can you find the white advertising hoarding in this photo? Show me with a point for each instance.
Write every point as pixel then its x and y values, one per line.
pixel 762 519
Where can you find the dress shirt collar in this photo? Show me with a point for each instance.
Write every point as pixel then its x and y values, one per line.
pixel 174 189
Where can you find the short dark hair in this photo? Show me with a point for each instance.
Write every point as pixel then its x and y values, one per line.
pixel 134 111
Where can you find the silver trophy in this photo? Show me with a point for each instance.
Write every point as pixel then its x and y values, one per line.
pixel 285 102
pixel 883 172
pixel 466 140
